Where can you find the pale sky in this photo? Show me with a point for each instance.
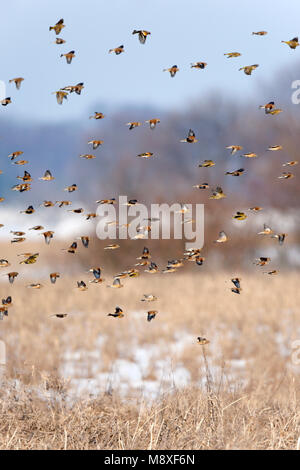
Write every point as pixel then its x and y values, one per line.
pixel 182 32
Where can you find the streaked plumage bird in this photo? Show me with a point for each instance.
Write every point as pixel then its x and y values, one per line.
pixel 230 55
pixel 142 35
pixel 21 187
pixel 117 314
pixel 69 56
pixel 173 70
pixel 18 240
pixel 206 164
pixel 152 269
pixel 17 82
pixel 16 154
pixel 72 248
pixel 117 50
pixel 145 155
pixel 293 43
pixel 30 259
pixel 26 177
pixel 58 26
pixel 248 69
pixel 152 123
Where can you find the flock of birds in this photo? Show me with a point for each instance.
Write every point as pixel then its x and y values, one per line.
pixel 144 260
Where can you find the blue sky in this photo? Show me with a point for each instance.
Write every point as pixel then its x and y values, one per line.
pixel 182 32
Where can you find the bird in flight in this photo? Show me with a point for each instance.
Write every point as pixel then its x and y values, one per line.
pixel 17 81
pixel 293 43
pixel 58 26
pixel 172 70
pixel 142 35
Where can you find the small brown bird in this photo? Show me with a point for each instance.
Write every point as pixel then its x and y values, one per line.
pixel 198 65
pixel 248 69
pixel 145 254
pixel 47 204
pixel 95 143
pixel 173 70
pixel 5 101
pixel 54 277
pixel 91 215
pixel 260 33
pixel 71 188
pixel 268 107
pixel 217 193
pixel 234 148
pixel 152 269
pixel 206 164
pixel 191 138
pixel 20 162
pixel 36 285
pixel 272 273
pixel 87 156
pixel 145 155
pixel 293 43
pixel 106 201
pixel 202 341
pixel 274 112
pixel 48 235
pixel 16 154
pixel 149 298
pixel 74 88
pixel 255 209
pixel 21 187
pixel 142 35
pixel 237 285
pixel 63 203
pixel 292 163
pixel 112 247
pixel 280 237
pixel 232 54
pixel 262 261
pixel 72 248
pixel 29 258
pixel 236 172
pixel 76 211
pixel 117 50
pixel 116 284
pixel 12 276
pixel 201 186
pixel 29 210
pixel 81 285
pixel 286 176
pixel 97 274
pixel 26 177
pixel 60 96
pixel 18 240
pixel 58 26
pixel 266 231
pixel 132 125
pixel 97 116
pixel 59 315
pixel 59 41
pixel 118 313
pixel 47 176
pixel 152 123
pixel 222 238
pixel 85 241
pixel 239 216
pixel 4 263
pixel 69 56
pixel 151 314
pixel 17 234
pixel 17 82
pixel 274 148
pixel 36 227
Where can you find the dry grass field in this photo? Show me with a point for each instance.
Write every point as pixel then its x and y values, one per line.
pixel 89 381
